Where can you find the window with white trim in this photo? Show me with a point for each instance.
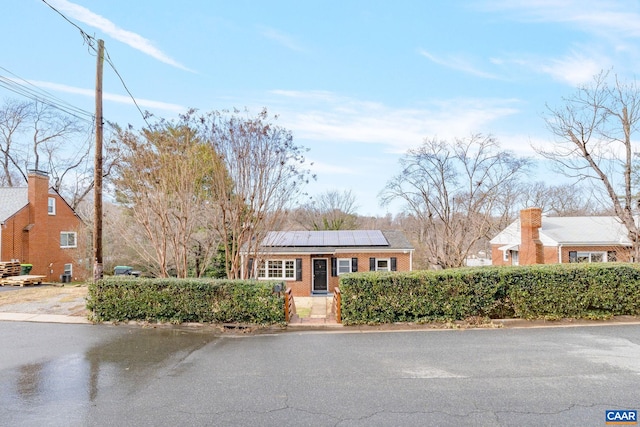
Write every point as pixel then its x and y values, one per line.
pixel 344 265
pixel 68 269
pixel 277 269
pixel 51 205
pixel 382 264
pixel 68 239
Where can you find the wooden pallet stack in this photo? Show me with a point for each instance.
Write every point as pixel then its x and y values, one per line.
pixel 11 268
pixel 25 280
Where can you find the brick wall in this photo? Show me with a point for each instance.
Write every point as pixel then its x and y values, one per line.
pixel 33 236
pixel 304 286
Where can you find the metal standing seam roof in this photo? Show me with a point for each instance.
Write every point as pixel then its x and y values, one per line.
pixel 583 230
pixel 12 199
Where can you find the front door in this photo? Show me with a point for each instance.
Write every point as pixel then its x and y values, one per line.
pixel 319 275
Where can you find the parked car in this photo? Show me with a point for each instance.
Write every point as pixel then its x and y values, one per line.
pixel 125 270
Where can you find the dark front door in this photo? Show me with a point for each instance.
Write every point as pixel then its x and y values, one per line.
pixel 319 275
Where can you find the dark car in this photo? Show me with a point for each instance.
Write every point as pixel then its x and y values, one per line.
pixel 125 270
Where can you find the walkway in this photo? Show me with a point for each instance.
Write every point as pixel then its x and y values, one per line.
pixel 314 311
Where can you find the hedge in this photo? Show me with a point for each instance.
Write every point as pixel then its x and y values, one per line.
pixel 531 292
pixel 185 300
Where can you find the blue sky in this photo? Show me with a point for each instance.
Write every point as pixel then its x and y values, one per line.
pixel 358 82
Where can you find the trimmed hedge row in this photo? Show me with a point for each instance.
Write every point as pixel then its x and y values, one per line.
pixel 185 300
pixel 531 292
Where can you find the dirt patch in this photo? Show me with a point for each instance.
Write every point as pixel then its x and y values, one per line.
pixel 45 299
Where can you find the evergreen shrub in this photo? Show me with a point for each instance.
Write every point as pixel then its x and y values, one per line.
pixel 530 292
pixel 185 300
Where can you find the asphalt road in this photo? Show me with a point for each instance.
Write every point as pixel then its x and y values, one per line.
pixel 87 375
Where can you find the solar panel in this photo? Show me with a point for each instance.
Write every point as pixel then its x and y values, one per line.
pixel 342 238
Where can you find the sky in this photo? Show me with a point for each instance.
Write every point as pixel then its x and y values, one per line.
pixel 358 82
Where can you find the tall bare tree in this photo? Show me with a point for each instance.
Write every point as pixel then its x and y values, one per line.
pixel 454 192
pixel 264 173
pixel 36 136
pixel 557 200
pixel 331 210
pixel 594 131
pixel 13 122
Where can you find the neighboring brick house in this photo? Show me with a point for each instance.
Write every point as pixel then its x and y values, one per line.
pixel 38 227
pixel 310 262
pixel 534 239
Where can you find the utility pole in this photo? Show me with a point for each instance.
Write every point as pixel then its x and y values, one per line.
pixel 97 171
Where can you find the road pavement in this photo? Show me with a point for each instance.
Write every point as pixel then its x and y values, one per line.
pixel 105 375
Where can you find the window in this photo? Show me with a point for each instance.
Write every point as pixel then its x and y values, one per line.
pixel 68 269
pixel 51 206
pixel 575 256
pixel 68 239
pixel 277 269
pixel 344 265
pixel 382 264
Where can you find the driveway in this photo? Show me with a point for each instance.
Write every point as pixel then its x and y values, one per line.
pixel 68 300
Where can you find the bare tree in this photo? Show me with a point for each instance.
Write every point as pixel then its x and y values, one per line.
pixel 557 200
pixel 165 177
pixel 36 136
pixel 263 176
pixel 453 190
pixel 13 121
pixel 331 210
pixel 594 131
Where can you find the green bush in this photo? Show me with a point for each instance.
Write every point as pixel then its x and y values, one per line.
pixel 185 300
pixel 544 291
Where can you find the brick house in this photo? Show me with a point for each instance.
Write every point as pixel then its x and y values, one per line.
pixel 38 227
pixel 311 262
pixel 537 239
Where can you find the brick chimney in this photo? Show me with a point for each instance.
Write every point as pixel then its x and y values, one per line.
pixel 38 182
pixel 37 232
pixel 531 249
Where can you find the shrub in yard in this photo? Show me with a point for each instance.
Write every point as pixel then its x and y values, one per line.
pixel 574 290
pixel 543 291
pixel 185 300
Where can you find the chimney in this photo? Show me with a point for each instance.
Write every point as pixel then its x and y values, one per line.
pixel 38 183
pixel 531 249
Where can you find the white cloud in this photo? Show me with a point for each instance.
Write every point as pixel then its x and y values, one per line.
pixel 282 39
pixel 130 38
pixel 613 27
pixel 122 99
pixel 457 63
pixel 325 168
pixel 593 16
pixel 575 68
pixel 322 116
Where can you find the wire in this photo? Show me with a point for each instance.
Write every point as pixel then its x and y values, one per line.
pixel 32 92
pixel 113 67
pixel 90 41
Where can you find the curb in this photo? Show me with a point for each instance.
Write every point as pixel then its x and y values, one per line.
pixel 44 318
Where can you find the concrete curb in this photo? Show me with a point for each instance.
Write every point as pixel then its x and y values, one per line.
pixel 43 318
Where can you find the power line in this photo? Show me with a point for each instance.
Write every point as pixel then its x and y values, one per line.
pixel 89 40
pixel 113 67
pixel 27 89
